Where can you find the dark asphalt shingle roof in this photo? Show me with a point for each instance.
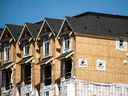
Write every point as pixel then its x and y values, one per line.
pixel 99 24
pixel 34 28
pixel 55 24
pixel 1 30
pixel 15 30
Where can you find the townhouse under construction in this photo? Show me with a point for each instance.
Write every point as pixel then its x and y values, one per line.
pixel 82 55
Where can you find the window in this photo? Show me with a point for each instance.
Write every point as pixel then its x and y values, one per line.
pixel 66 68
pixel 26 50
pixel 66 44
pixel 6 53
pixel 83 62
pixel 47 74
pixel 26 72
pixel 6 78
pixel 46 48
pixel 121 44
pixel 100 65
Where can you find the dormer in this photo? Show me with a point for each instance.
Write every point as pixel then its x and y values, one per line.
pixel 45 40
pixel 66 37
pixel 67 40
pixel 7 43
pixel 25 41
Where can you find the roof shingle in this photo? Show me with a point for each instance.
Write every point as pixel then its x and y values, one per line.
pixel 55 24
pixel 1 30
pixel 15 30
pixel 34 28
pixel 99 24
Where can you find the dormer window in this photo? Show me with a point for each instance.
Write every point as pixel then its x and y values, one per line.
pixel 26 50
pixel 66 44
pixel 121 44
pixel 6 53
pixel 46 48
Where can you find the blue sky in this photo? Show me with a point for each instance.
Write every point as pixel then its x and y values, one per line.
pixel 21 11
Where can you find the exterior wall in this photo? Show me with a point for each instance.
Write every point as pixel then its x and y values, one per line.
pixel 36 70
pixel 18 66
pixel 95 48
pixel 57 63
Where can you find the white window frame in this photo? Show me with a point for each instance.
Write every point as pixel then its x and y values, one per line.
pixel 99 66
pixel 64 49
pixel 24 50
pixel 44 48
pixel 124 44
pixel 7 58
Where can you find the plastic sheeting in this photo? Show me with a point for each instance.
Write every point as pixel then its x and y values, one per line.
pixel 86 88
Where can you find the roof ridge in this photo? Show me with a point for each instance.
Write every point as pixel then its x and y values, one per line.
pixel 52 18
pixel 13 24
pixel 101 14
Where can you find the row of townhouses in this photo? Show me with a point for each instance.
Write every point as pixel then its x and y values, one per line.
pixel 82 55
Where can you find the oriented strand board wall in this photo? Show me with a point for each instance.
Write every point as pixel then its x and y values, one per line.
pixel 93 49
pixel 36 74
pixel 57 63
pixel 18 73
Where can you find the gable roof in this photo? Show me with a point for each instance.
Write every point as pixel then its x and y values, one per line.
pixel 55 24
pixel 15 30
pixel 34 28
pixel 99 24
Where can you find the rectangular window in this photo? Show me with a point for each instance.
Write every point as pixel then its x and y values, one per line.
pixel 66 68
pixel 46 48
pixel 6 53
pixel 121 44
pixel 47 74
pixel 66 44
pixel 27 73
pixel 6 78
pixel 26 50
